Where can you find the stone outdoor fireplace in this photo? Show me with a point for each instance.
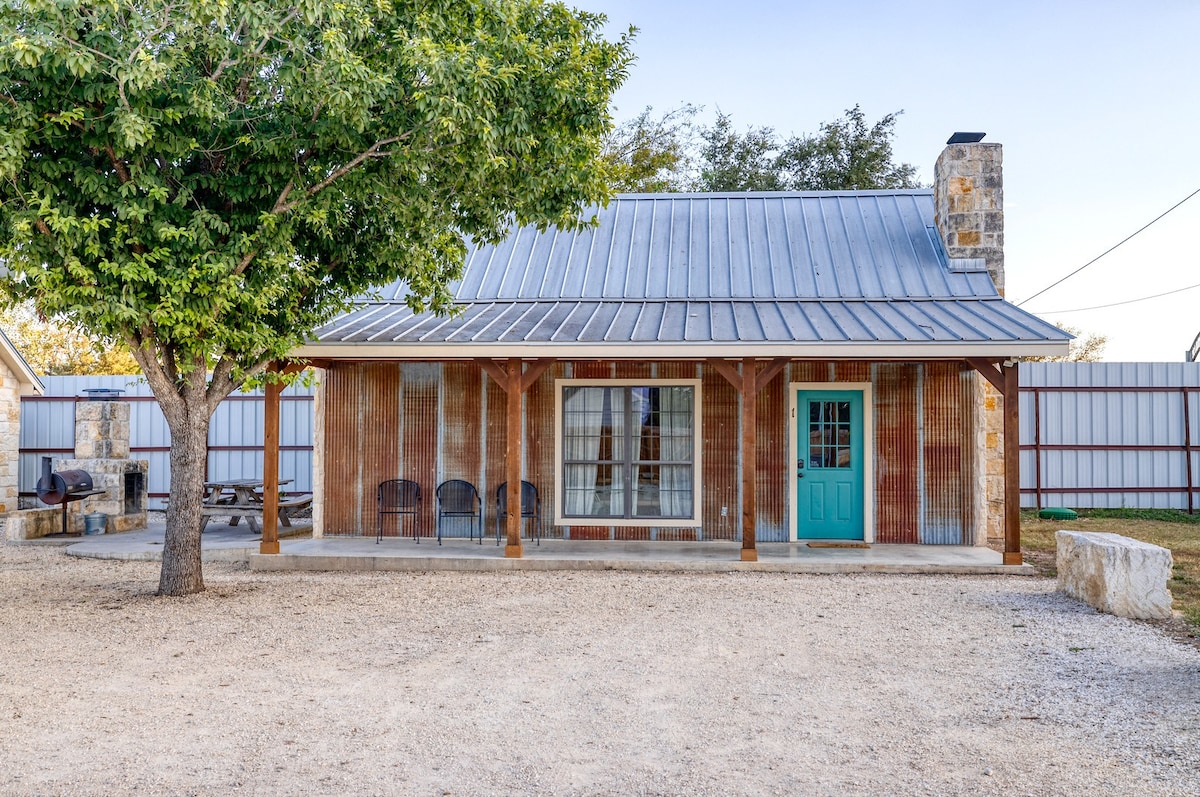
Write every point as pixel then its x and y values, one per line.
pixel 102 449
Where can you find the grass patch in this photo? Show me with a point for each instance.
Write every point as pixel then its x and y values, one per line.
pixel 1177 531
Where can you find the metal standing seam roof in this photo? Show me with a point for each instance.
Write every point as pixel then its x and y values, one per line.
pixel 711 270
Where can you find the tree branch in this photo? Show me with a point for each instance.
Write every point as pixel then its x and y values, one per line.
pixel 372 151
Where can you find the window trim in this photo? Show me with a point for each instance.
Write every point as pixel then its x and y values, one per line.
pixel 695 521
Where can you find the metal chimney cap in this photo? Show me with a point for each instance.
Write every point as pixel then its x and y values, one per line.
pixel 966 138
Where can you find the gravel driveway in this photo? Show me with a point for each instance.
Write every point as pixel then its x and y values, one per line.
pixel 580 683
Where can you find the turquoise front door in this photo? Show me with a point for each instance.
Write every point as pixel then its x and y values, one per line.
pixel 829 465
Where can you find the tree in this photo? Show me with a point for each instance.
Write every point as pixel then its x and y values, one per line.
pixel 208 181
pixel 649 154
pixel 1087 347
pixel 846 155
pixel 58 349
pixel 670 153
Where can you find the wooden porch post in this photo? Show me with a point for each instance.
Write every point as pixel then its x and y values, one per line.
pixel 747 384
pixel 749 391
pixel 270 530
pixel 1003 377
pixel 514 382
pixel 1012 465
pixel 512 459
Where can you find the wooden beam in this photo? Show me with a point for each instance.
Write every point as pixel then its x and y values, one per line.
pixel 749 460
pixel 1012 466
pixel 727 370
pixel 512 459
pixel 535 370
pixel 495 370
pixel 270 530
pixel 768 373
pixel 991 372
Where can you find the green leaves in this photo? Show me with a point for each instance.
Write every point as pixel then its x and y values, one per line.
pixel 213 179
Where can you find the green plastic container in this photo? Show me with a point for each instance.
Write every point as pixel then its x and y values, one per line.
pixel 1058 513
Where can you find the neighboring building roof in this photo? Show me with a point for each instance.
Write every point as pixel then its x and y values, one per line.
pixel 27 380
pixel 823 274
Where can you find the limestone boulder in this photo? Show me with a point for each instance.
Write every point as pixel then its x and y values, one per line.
pixel 1115 574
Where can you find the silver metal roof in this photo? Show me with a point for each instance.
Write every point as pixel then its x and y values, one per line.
pixel 690 269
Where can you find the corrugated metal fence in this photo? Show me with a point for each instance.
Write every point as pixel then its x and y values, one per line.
pixel 235 437
pixel 1092 434
pixel 1110 435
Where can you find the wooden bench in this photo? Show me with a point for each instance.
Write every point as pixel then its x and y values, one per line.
pixel 296 504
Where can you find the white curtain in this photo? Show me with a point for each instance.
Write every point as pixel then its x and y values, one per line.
pixel 616 496
pixel 583 411
pixel 639 398
pixel 676 430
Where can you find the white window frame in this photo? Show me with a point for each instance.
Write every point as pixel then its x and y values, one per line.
pixel 697 462
pixel 868 448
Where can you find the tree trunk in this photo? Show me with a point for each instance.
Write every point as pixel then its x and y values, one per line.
pixel 181 569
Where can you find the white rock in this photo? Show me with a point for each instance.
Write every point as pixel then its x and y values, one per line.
pixel 1115 574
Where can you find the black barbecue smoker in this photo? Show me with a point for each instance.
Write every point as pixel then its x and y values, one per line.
pixel 63 487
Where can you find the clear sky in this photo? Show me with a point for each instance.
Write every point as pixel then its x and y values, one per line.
pixel 1097 105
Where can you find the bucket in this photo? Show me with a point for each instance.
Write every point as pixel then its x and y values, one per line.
pixel 95 523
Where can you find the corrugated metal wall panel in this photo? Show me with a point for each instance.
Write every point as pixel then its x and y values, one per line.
pixel 722 476
pixel 47 423
pixel 539 453
pixel 1087 421
pixel 896 490
pixel 943 430
pixel 772 462
pixel 496 406
pixel 419 434
pixel 343 440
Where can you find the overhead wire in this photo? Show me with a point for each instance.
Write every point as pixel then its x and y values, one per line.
pixel 1111 248
pixel 1118 304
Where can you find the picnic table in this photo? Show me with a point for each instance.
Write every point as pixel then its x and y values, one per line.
pixel 242 498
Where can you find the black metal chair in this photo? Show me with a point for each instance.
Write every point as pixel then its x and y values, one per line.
pixel 531 507
pixel 399 497
pixel 458 498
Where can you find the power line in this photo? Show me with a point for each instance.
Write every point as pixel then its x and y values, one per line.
pixel 1111 248
pixel 1118 304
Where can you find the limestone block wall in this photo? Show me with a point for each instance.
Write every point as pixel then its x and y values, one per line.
pixel 969 204
pixel 10 422
pixel 990 474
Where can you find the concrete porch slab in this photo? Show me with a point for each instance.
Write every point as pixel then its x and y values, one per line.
pixel 363 553
pixel 219 543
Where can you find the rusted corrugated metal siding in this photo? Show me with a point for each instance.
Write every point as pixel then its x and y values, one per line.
pixel 343 440
pixel 381 422
pixel 945 489
pixel 722 477
pixel 852 372
pixel 814 371
pixel 494 440
pixel 771 464
pixel 896 468
pixel 420 440
pixel 461 422
pixel 539 445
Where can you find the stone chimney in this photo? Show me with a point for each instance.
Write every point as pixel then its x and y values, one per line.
pixel 968 192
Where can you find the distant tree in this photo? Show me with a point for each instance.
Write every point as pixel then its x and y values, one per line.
pixel 53 349
pixel 733 161
pixel 846 155
pixel 652 154
pixel 209 181
pixel 1087 347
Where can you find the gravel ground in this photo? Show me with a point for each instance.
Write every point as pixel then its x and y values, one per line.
pixel 580 683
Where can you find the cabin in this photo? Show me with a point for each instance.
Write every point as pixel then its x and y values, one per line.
pixel 758 367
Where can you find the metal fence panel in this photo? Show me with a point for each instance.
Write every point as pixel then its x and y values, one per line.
pixel 235 436
pixel 1110 434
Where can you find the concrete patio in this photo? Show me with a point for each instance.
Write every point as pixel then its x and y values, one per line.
pixel 301 552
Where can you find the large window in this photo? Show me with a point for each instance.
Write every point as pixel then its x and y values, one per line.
pixel 628 451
